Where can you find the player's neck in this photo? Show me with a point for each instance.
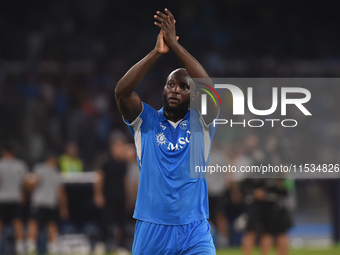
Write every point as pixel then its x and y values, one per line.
pixel 174 117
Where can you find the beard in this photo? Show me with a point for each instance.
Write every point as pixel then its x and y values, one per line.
pixel 179 110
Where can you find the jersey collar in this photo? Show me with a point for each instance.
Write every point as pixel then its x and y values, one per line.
pixel 163 118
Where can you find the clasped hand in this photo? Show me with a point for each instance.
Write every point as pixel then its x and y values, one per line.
pixel 167 36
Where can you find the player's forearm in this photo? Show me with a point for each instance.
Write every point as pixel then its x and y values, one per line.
pixel 98 185
pixel 98 188
pixel 63 199
pixel 30 182
pixel 135 75
pixel 63 203
pixel 194 68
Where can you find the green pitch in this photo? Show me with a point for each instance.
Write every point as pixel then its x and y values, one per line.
pixel 331 251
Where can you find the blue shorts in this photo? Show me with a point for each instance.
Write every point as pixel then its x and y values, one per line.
pixel 157 239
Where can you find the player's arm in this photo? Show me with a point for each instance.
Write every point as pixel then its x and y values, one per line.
pixel 63 204
pixel 167 24
pixel 129 103
pixel 31 181
pixel 98 185
pixel 235 193
pixel 193 67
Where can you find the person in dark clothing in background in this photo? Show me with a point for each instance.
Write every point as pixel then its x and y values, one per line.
pixel 110 194
pixel 267 213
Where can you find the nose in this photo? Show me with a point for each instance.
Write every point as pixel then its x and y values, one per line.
pixel 175 89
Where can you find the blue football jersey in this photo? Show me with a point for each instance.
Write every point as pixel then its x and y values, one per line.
pixel 167 194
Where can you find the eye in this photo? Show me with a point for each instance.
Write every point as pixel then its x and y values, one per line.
pixel 170 84
pixel 184 86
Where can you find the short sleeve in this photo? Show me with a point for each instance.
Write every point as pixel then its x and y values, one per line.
pixel 36 168
pixel 59 178
pixel 144 117
pixel 24 167
pixel 207 130
pixel 141 125
pixel 202 119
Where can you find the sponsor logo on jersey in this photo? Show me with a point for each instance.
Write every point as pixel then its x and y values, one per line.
pixel 181 142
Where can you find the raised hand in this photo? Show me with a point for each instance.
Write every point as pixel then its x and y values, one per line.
pixel 168 31
pixel 161 46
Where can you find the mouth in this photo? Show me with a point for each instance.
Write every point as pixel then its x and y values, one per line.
pixel 173 99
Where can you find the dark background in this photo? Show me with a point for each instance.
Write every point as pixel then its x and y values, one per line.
pixel 60 61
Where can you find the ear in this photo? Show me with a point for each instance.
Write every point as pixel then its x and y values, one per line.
pixel 194 99
pixel 193 96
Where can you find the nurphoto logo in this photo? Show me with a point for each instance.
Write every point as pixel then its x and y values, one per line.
pixel 238 104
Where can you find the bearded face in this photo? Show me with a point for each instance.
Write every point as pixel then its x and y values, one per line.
pixel 176 95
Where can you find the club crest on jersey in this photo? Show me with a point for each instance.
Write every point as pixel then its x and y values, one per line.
pixel 163 127
pixel 184 125
pixel 160 139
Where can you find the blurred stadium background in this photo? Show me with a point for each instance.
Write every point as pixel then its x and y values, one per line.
pixel 60 61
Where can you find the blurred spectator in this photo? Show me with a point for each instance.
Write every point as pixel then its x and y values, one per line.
pixel 48 195
pixel 110 194
pixel 267 213
pixel 265 200
pixel 70 162
pixel 12 180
